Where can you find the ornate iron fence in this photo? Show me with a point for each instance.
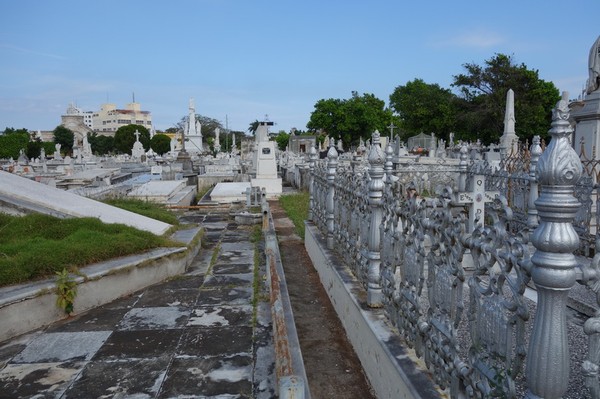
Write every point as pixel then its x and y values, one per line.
pixel 438 269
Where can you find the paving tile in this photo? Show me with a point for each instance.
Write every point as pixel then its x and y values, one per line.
pixel 237 257
pixel 157 297
pixel 62 346
pixel 241 244
pixel 230 280
pixel 211 377
pixel 221 316
pixel 215 341
pixel 13 347
pixel 232 268
pixel 139 344
pixel 140 378
pixel 154 318
pixel 99 319
pixel 229 296
pixel 180 282
pixel 125 302
pixel 37 380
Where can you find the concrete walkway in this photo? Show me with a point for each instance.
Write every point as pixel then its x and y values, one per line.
pixel 200 335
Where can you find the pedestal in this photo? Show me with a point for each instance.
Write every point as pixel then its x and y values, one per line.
pixel 588 126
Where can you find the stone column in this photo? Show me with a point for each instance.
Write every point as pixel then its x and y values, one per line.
pixel 312 158
pixel 553 267
pixel 376 159
pixel 332 161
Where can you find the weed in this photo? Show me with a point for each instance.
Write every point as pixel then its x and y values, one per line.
pixel 66 291
pixel 296 207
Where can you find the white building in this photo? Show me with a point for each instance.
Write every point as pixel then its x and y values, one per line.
pixel 109 118
pixel 88 119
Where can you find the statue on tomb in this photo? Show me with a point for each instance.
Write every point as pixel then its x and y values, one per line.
pixel 593 82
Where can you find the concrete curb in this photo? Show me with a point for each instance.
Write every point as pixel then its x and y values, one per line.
pixel 291 375
pixel 26 307
pixel 392 369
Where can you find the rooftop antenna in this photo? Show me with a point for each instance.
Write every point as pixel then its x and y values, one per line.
pixel 133 96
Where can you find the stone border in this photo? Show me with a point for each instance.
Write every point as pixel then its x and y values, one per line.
pixel 289 365
pixel 26 307
pixel 392 369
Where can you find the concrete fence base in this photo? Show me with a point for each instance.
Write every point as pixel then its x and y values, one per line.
pixel 392 369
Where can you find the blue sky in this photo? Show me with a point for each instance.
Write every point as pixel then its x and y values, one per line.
pixel 248 58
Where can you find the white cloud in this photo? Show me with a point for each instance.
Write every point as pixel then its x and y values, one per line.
pixel 473 39
pixel 28 51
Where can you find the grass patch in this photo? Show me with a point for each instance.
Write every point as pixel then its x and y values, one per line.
pixel 296 207
pixel 145 208
pixel 37 246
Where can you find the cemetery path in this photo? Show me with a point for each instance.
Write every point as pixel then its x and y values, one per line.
pixel 192 336
pixel 332 368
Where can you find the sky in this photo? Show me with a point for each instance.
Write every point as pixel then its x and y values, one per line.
pixel 241 60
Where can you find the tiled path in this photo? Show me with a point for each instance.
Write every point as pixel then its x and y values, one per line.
pixel 196 336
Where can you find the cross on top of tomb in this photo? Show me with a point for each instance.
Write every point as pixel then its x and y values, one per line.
pixel 137 135
pixel 476 200
pixel 392 127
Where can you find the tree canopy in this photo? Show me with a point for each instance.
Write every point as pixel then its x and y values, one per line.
pixel 64 136
pixel 253 127
pixel 350 119
pixel 160 144
pixel 125 137
pixel 101 144
pixel 282 139
pixel 424 108
pixel 481 106
pixel 208 125
pixel 12 141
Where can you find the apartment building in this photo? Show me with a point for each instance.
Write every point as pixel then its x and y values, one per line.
pixel 109 118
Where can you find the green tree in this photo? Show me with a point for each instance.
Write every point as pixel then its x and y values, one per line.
pixel 49 147
pixel 12 141
pixel 227 139
pixel 208 125
pixel 101 144
pixel 482 101
pixel 253 127
pixel 424 107
pixel 64 137
pixel 282 139
pixel 125 137
pixel 160 144
pixel 34 149
pixel 350 119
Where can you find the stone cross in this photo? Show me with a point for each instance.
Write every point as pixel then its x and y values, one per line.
pixel 137 135
pixel 392 127
pixel 475 201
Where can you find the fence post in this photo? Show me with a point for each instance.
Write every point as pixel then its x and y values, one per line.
pixel 332 161
pixel 553 267
pixel 462 168
pixel 312 158
pixel 376 159
pixel 532 213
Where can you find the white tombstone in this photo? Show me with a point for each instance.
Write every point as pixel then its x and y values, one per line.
pixel 193 131
pixel 509 142
pixel 265 162
pixel 138 148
